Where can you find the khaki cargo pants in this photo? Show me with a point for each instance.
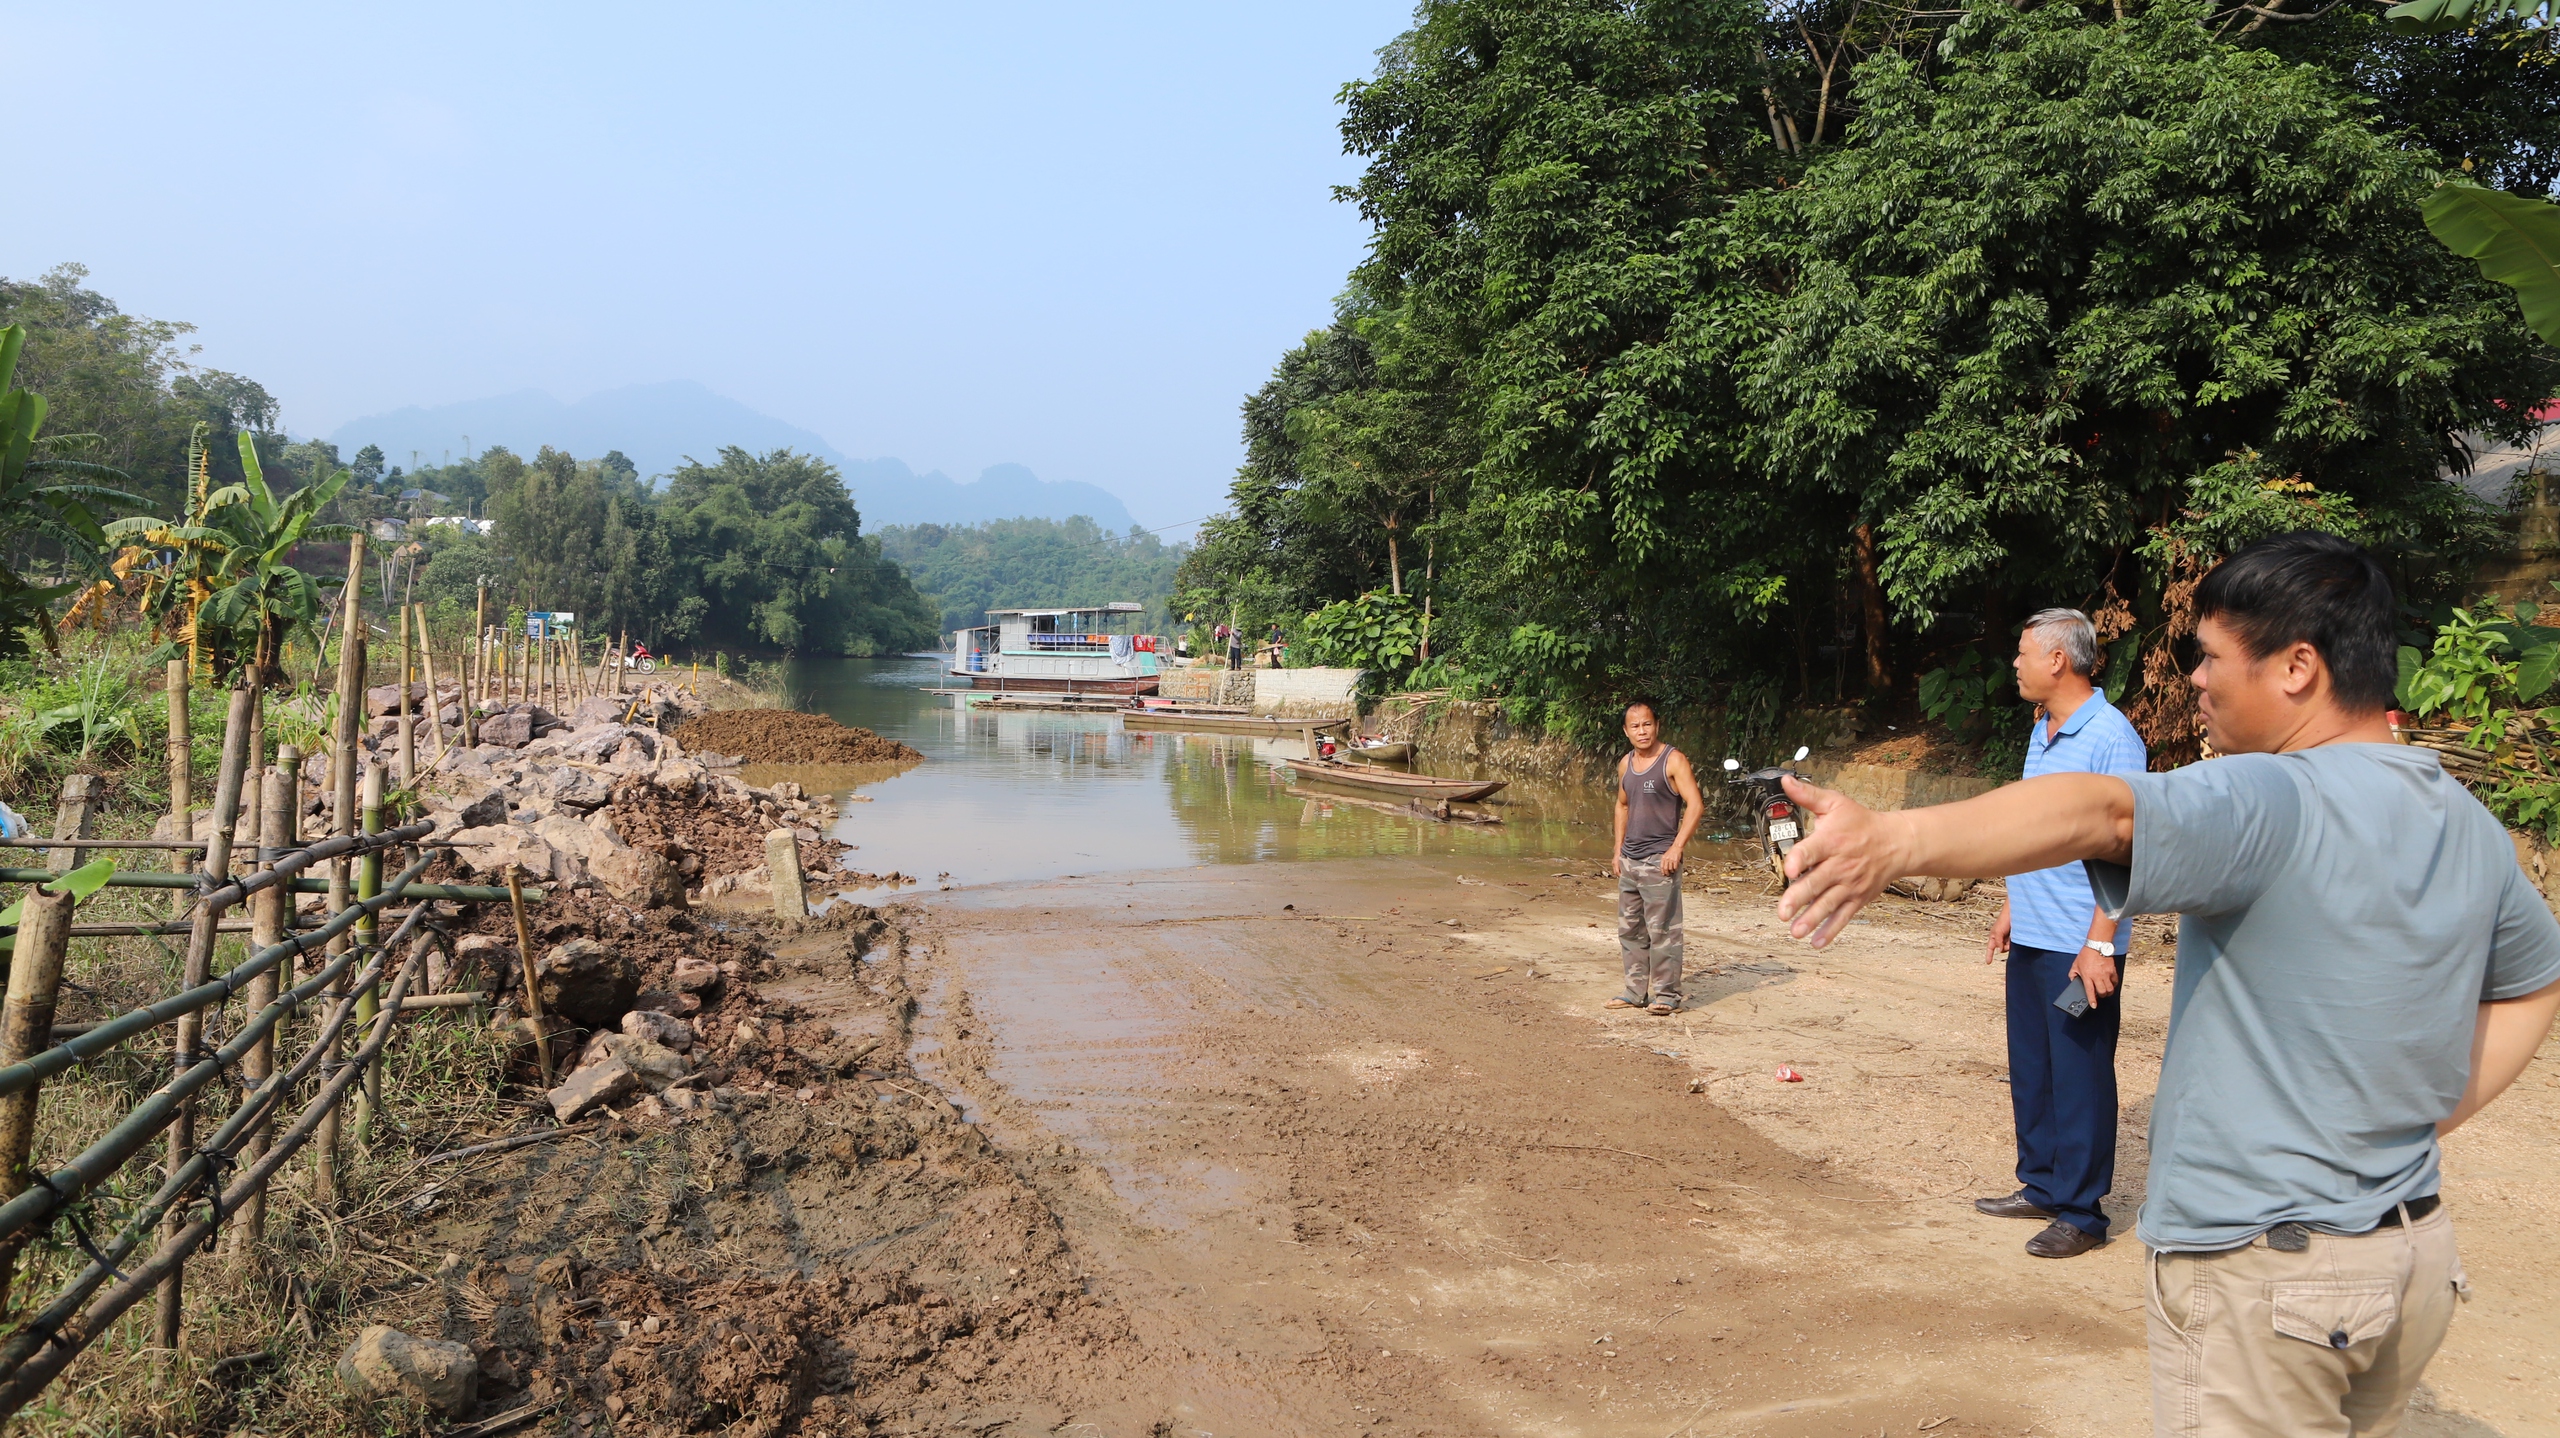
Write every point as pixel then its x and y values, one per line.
pixel 2328 1341
pixel 1649 931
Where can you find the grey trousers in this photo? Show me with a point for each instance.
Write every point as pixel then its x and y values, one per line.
pixel 1649 931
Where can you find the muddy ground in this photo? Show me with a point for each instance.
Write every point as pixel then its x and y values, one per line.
pixel 1351 1147
pixel 786 736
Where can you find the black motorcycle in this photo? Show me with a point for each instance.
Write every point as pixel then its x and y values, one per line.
pixel 1774 817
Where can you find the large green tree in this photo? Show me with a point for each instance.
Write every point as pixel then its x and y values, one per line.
pixel 767 552
pixel 1750 334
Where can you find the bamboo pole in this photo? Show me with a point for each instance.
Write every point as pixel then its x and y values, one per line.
pixel 524 954
pixel 479 668
pixel 26 1029
pixel 35 983
pixel 408 731
pixel 199 968
pixel 181 764
pixel 435 700
pixel 342 780
pixel 271 909
pixel 368 930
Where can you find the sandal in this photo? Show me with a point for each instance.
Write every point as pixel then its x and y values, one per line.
pixel 1620 1004
pixel 1661 1010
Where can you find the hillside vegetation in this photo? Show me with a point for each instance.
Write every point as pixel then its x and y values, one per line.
pixel 967 569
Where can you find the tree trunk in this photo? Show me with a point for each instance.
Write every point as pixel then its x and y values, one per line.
pixel 1871 607
pixel 1395 570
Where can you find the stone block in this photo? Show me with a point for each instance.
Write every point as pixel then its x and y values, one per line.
pixel 592 1087
pixel 385 1363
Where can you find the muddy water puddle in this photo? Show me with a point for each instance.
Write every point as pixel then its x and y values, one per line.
pixel 1008 797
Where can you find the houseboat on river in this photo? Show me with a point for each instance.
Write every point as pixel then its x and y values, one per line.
pixel 1059 651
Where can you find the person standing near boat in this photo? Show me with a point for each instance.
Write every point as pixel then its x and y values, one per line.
pixel 1658 809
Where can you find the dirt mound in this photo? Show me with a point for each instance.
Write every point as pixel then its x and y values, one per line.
pixel 786 736
pixel 706 841
pixel 805 1240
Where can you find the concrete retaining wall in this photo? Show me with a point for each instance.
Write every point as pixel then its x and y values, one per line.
pixel 1201 684
pixel 1878 787
pixel 1306 693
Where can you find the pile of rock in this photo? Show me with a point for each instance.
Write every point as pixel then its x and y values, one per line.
pixel 619 805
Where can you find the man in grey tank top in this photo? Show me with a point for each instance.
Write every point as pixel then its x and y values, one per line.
pixel 1658 809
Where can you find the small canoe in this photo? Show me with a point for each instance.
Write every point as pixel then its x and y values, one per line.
pixel 1366 780
pixel 1379 753
pixel 1258 725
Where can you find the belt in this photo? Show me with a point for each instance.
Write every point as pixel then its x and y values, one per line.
pixel 2295 1237
pixel 2417 1208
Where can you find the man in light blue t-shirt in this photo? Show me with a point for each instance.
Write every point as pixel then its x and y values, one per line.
pixel 2062 1064
pixel 2361 968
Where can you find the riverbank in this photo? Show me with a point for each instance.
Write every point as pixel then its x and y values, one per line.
pixel 1325 1147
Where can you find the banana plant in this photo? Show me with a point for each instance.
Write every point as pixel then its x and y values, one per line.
pixel 219 577
pixel 43 496
pixel 2438 17
pixel 2514 239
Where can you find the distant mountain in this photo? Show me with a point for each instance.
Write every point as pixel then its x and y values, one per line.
pixel 887 493
pixel 658 425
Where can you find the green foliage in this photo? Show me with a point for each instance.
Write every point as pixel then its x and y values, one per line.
pixel 1961 694
pixel 220 575
pixel 2047 303
pixel 2057 282
pixel 757 552
pixel 2437 17
pixel 2515 239
pixel 44 498
pixel 767 552
pixel 965 570
pixel 130 385
pixel 1378 632
pixel 2476 686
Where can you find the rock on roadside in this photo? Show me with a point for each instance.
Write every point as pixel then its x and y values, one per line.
pixel 385 1363
pixel 607 1082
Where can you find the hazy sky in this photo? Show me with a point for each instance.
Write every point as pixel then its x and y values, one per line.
pixel 1069 237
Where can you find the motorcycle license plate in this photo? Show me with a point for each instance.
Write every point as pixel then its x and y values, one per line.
pixel 1783 831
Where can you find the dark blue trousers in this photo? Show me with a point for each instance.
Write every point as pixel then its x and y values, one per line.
pixel 2062 1087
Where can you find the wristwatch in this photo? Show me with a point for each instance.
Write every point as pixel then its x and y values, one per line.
pixel 2105 950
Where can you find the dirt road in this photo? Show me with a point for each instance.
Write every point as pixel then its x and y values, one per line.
pixel 1353 1148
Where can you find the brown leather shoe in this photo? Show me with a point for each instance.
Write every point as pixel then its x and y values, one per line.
pixel 2013 1206
pixel 2061 1240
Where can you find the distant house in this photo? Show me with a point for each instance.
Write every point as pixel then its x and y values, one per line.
pixel 467 526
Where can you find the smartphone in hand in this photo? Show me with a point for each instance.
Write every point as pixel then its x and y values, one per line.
pixel 2074 999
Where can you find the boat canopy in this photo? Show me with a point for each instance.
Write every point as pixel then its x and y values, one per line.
pixel 1116 607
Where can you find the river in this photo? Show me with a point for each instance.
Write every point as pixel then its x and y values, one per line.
pixel 1004 797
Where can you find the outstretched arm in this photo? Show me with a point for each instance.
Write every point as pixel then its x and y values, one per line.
pixel 1855 851
pixel 2508 1033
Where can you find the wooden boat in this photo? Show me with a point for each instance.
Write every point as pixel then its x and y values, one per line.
pixel 1378 753
pixel 1261 726
pixel 1366 780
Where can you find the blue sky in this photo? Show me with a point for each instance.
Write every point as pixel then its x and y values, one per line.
pixel 1066 237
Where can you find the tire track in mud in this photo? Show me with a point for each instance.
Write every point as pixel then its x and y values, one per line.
pixel 1392 1200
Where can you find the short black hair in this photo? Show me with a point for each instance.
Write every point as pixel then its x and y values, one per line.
pixel 1644 702
pixel 2316 589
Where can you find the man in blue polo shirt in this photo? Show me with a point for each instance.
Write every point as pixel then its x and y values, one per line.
pixel 2062 1064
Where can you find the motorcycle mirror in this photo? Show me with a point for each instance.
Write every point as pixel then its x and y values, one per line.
pixel 1732 764
pixel 1801 751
